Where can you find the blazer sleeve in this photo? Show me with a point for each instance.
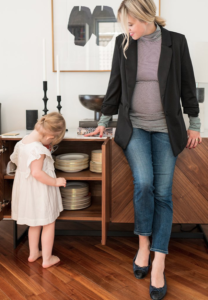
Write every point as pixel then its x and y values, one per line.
pixel 112 98
pixel 188 84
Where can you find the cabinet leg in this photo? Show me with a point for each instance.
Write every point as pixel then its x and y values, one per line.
pixel 16 240
pixel 104 233
pixel 14 234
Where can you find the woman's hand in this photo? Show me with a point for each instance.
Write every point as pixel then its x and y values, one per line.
pixel 98 130
pixel 194 139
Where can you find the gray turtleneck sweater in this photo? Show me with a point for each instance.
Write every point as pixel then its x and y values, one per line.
pixel 146 111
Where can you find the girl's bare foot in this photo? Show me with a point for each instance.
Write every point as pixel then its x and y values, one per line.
pixel 35 256
pixel 51 261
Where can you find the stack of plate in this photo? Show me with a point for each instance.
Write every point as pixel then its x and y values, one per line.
pixel 96 161
pixel 96 156
pixel 72 162
pixel 75 195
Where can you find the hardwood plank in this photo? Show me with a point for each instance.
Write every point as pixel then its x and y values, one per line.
pixel 3 296
pixel 16 271
pixel 79 292
pixel 56 295
pixel 15 282
pixel 187 287
pixel 89 270
pixel 8 292
pixel 46 285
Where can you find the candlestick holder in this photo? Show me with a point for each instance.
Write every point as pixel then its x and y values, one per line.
pixel 45 99
pixel 59 103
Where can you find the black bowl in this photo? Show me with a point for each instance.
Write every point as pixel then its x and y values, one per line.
pixel 92 102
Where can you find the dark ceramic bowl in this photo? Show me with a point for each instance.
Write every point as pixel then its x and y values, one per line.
pixel 92 102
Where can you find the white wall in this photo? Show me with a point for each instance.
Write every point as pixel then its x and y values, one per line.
pixel 24 23
pixel 189 17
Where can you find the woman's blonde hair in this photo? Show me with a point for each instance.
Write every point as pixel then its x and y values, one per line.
pixel 53 124
pixel 143 10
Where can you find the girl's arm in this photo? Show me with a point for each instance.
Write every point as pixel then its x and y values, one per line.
pixel 37 172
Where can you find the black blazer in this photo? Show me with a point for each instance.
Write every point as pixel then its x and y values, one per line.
pixel 176 80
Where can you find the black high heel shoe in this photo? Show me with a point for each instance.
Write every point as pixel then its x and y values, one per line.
pixel 158 293
pixel 140 272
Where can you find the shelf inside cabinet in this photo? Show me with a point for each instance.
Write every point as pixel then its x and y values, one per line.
pixel 8 177
pixel 83 175
pixel 92 213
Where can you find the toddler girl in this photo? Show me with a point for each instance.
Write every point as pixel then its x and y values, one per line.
pixel 36 199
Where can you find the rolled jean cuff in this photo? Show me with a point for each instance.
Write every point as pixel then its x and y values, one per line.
pixel 144 234
pixel 158 250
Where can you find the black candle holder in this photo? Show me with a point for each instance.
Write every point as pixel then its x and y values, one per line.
pixel 59 104
pixel 45 99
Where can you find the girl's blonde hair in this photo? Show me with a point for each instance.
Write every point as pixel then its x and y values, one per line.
pixel 53 124
pixel 143 10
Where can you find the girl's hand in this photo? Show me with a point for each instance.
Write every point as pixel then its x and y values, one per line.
pixel 194 139
pixel 60 182
pixel 98 130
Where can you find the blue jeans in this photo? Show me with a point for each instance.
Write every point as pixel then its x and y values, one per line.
pixel 152 162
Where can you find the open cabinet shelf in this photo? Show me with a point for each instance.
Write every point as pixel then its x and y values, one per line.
pixel 99 183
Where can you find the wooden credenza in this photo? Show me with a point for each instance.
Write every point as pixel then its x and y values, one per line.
pixel 112 191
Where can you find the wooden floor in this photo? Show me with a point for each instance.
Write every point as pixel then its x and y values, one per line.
pixel 91 271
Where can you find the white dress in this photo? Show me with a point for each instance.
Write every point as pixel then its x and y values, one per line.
pixel 34 203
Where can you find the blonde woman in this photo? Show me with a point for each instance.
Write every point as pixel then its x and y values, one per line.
pixel 36 199
pixel 151 71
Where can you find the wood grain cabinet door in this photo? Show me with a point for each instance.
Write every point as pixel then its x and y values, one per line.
pixel 122 210
pixel 189 193
pixel 190 186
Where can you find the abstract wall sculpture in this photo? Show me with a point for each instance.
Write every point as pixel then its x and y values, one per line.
pixel 84 33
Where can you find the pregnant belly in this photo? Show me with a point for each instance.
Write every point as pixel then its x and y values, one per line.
pixel 146 98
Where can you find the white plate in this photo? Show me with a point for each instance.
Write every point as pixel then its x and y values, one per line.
pixel 95 171
pixel 96 163
pixel 72 156
pixel 76 202
pixel 68 170
pixel 66 163
pixel 75 186
pixel 96 151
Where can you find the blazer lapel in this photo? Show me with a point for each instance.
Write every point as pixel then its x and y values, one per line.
pixel 165 61
pixel 131 67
